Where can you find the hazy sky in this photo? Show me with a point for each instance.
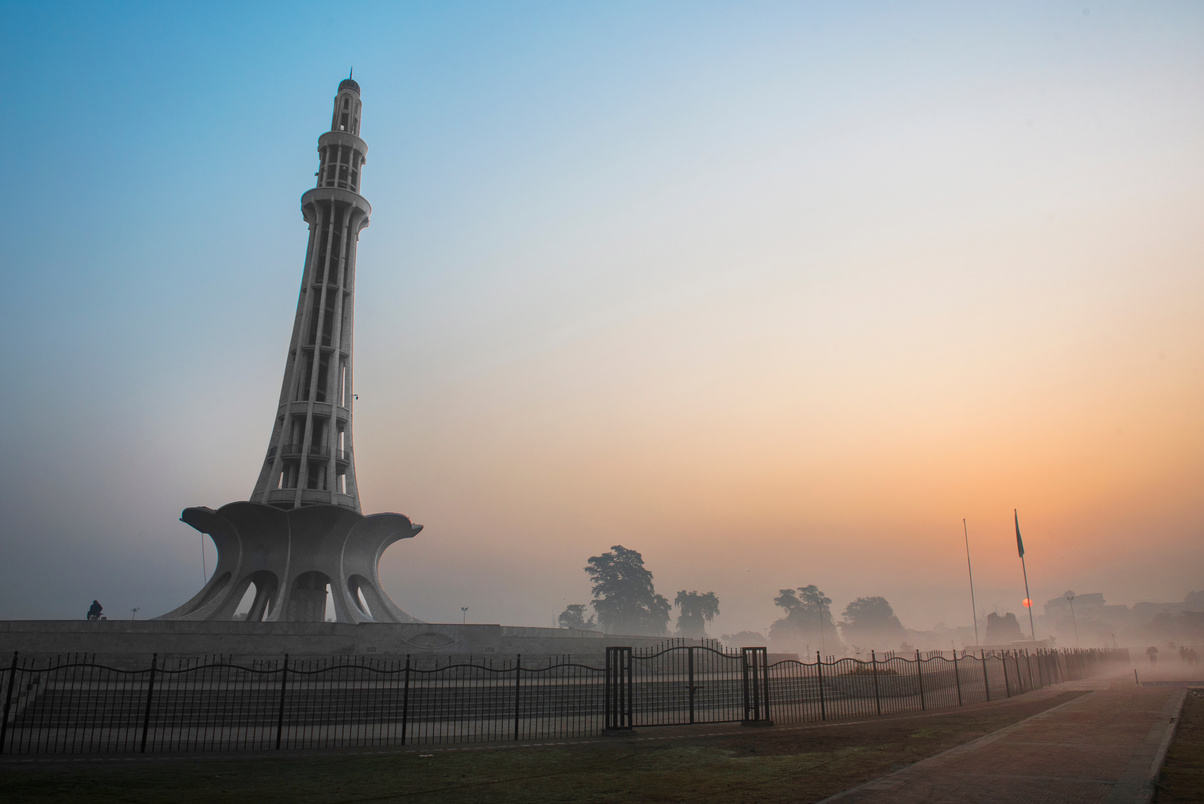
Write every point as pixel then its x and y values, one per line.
pixel 774 293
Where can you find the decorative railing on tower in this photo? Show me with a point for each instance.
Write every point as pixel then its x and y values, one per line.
pixel 301 533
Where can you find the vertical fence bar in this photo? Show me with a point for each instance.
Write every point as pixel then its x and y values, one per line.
pixel 150 692
pixel 628 689
pixel 819 668
pixel 280 713
pixel 920 677
pixel 874 668
pixel 405 699
pixel 607 697
pixel 690 681
pixel 986 687
pixel 758 703
pixel 8 700
pixel 764 656
pixel 518 674
pixel 744 678
pixel 957 676
pixel 65 707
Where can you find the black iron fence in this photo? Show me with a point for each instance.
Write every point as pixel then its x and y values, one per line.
pixel 75 704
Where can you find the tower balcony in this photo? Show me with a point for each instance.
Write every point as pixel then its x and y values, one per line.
pixel 341 456
pixel 343 138
pixel 336 195
pixel 320 409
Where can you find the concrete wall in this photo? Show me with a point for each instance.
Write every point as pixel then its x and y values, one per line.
pixel 177 638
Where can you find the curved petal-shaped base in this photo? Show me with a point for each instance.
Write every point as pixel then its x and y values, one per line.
pixel 290 557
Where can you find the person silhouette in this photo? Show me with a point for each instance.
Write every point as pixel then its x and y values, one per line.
pixel 94 610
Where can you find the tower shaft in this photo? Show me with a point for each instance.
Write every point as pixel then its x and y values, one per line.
pixel 310 459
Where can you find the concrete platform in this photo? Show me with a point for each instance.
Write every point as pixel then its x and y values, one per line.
pixel 183 638
pixel 1107 747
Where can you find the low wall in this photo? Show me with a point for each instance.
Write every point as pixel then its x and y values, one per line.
pixel 177 638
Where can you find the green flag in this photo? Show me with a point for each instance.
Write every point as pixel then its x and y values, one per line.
pixel 1019 541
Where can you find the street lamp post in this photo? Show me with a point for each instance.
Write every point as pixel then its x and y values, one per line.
pixel 463 615
pixel 1070 598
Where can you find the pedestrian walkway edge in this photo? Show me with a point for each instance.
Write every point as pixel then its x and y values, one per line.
pixel 1140 777
pixel 889 780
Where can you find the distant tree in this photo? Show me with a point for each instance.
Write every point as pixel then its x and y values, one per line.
pixel 624 597
pixel 808 620
pixel 574 617
pixel 870 622
pixel 1195 600
pixel 744 639
pixel 696 611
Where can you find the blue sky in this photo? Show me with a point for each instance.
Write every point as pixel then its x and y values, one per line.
pixel 775 293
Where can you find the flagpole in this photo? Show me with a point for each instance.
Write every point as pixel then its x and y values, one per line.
pixel 1024 569
pixel 973 605
pixel 1029 598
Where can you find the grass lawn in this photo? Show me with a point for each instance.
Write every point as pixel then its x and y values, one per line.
pixel 1182 778
pixel 654 765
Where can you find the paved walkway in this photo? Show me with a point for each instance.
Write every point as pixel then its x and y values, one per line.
pixel 1106 746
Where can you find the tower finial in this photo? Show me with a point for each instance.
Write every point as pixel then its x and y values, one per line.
pixel 352 73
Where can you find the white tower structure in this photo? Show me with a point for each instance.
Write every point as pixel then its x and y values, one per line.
pixel 310 458
pixel 301 533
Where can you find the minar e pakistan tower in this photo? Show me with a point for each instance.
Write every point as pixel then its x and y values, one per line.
pixel 302 530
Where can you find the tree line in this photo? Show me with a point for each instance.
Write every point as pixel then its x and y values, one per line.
pixel 625 601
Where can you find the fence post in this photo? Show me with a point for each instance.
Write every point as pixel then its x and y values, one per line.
pixel 405 701
pixel 755 667
pixel 617 689
pixel 150 691
pixel 744 677
pixel 874 665
pixel 690 667
pixel 957 676
pixel 518 674
pixel 8 700
pixel 608 692
pixel 763 655
pixel 280 716
pixel 920 677
pixel 1003 661
pixel 819 668
pixel 985 685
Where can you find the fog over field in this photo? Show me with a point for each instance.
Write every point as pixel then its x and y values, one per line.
pixel 775 294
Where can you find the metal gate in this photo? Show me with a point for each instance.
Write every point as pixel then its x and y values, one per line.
pixel 684 685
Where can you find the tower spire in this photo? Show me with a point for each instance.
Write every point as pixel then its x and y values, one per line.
pixel 310 459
